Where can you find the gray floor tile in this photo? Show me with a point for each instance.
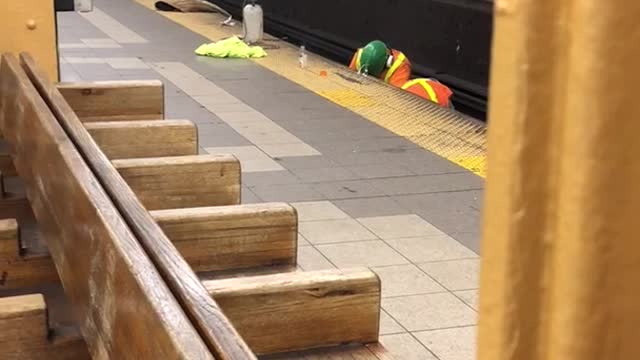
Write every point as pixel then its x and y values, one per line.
pixel 334 231
pixel 430 311
pixel 222 140
pixel 470 297
pixel 347 189
pixel 428 183
pixel 388 325
pixel 455 274
pixel 310 259
pixel 399 226
pixel 368 207
pixel 318 210
pixel 406 347
pixel 358 158
pixel 364 253
pixel 430 248
pixel 251 160
pixel 400 280
pixel 423 162
pixel 287 192
pixel 380 171
pixel 451 212
pixel 112 27
pixel 282 177
pixel 289 149
pixel 302 241
pixel 451 344
pixel 126 63
pixel 293 163
pixel 248 197
pixel 470 239
pixel 389 144
pixel 315 175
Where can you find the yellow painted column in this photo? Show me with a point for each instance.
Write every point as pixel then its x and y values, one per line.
pixel 560 276
pixel 29 25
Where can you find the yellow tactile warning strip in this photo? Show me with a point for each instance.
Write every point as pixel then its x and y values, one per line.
pixel 449 134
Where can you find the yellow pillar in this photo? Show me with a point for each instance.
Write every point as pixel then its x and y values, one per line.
pixel 29 25
pixel 560 276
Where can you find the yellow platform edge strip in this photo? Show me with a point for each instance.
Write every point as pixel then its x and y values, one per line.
pixel 446 133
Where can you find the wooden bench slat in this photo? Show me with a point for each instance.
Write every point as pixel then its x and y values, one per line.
pixel 212 325
pixel 6 165
pixel 233 237
pixel 21 270
pixel 183 181
pixel 114 288
pixel 222 239
pixel 115 100
pixel 143 139
pixel 302 310
pixel 26 335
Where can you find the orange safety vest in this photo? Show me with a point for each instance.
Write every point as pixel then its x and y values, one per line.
pixel 397 74
pixel 430 89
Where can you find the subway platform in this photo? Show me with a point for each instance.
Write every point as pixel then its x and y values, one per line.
pixel 368 192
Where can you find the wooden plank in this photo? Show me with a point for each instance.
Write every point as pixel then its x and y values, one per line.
pixel 183 181
pixel 372 351
pixel 15 206
pixel 141 139
pixel 18 267
pixel 233 237
pixel 25 333
pixel 126 309
pixel 227 240
pixel 302 310
pixel 115 100
pixel 379 351
pixel 6 165
pixel 212 325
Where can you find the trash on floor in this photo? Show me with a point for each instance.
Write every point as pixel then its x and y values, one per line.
pixel 192 6
pixel 186 6
pixel 232 47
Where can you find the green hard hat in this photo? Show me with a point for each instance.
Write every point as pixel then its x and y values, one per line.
pixel 373 58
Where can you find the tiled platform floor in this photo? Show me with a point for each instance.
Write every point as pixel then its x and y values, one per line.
pixel 365 196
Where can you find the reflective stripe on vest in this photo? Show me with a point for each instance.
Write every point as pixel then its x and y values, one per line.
pixel 358 55
pixel 425 85
pixel 396 64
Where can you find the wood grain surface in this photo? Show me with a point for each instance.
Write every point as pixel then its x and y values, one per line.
pixel 19 268
pixel 233 237
pixel 26 335
pixel 205 315
pixel 124 307
pixel 224 240
pixel 115 100
pixel 6 165
pixel 302 310
pixel 183 181
pixel 142 138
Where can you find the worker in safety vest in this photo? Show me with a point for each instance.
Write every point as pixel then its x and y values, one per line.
pixel 430 89
pixel 389 65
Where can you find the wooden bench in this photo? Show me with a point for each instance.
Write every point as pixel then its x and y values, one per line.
pixel 163 219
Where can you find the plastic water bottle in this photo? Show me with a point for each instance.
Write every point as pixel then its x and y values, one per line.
pixel 302 57
pixel 252 23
